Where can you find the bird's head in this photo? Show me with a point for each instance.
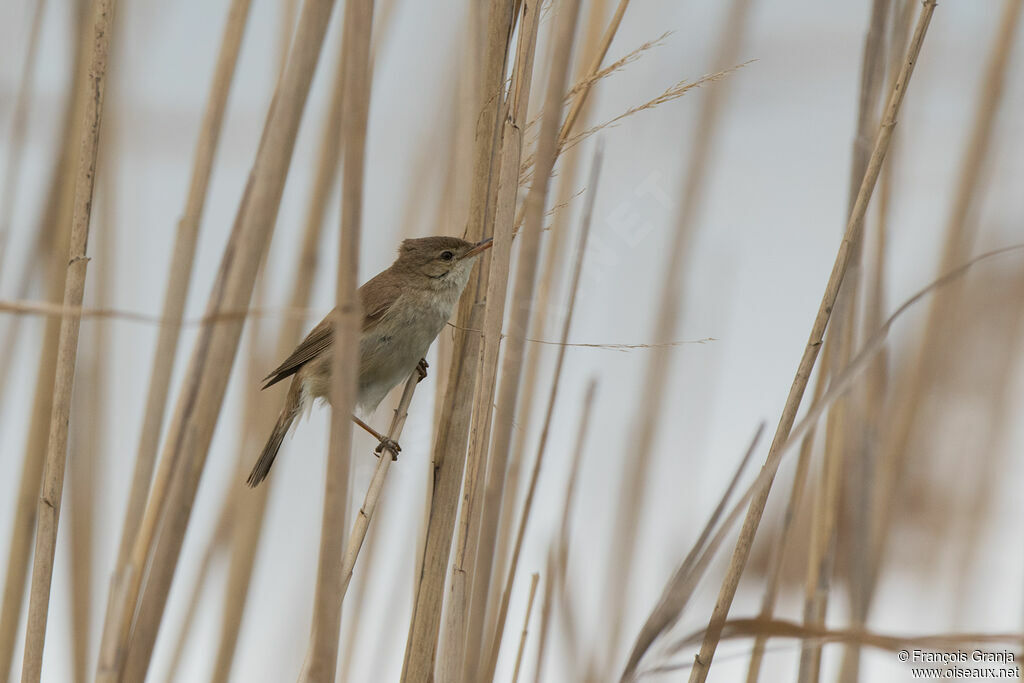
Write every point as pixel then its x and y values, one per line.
pixel 444 260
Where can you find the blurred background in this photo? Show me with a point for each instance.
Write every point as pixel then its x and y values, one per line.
pixel 769 220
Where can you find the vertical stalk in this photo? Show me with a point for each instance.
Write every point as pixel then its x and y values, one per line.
pixel 702 663
pixel 48 510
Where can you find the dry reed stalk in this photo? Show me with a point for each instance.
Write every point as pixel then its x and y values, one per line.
pixel 52 248
pixel 356 604
pixel 380 473
pixel 782 544
pixel 249 525
pixel 595 67
pixel 959 237
pixel 872 398
pixel 348 319
pixel 852 235
pixel 493 645
pixel 840 438
pixel 178 281
pixel 224 528
pixel 563 39
pixel 839 385
pixel 48 510
pixel 449 452
pixel 191 430
pixel 90 408
pixel 19 122
pixel 549 280
pixel 680 586
pixel 458 634
pixel 560 554
pixel 670 307
pixel 526 624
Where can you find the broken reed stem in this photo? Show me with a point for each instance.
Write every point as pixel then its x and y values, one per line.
pixel 494 645
pixel 178 281
pixel 458 634
pixel 670 312
pixel 48 511
pixel 526 624
pixel 449 453
pixel 739 559
pixel 19 122
pixel 347 324
pixel 191 428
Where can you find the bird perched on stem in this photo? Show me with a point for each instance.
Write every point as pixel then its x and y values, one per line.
pixel 404 309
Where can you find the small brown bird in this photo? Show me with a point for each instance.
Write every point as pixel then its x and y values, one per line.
pixel 404 309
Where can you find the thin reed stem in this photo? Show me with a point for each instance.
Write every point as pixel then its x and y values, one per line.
pixel 524 519
pixel 48 510
pixel 739 559
pixel 450 443
pixel 347 322
pixel 175 296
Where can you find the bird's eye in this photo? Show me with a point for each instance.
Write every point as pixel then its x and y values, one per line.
pixel 447 256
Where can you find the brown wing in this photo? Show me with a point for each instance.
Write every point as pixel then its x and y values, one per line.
pixel 312 346
pixel 377 296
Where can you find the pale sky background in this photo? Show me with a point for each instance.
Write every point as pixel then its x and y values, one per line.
pixel 768 232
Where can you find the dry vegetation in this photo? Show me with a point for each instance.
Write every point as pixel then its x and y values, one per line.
pixel 877 402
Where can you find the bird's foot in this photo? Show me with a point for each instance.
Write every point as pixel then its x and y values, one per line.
pixel 421 368
pixel 391 445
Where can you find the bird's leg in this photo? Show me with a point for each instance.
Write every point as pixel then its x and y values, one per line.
pixel 385 442
pixel 421 368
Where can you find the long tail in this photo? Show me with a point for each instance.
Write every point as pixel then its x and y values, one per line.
pixel 266 459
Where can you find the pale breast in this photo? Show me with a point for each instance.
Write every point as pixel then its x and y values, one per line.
pixel 391 349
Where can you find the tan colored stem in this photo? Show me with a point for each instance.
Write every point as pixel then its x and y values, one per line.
pixel 670 312
pixel 450 442
pixel 19 122
pixel 348 317
pixel 458 635
pixel 191 428
pixel 702 662
pixel 253 504
pixel 51 255
pixel 959 235
pixel 526 624
pixel 48 511
pixel 179 279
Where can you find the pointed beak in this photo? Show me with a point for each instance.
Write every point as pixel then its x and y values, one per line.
pixel 479 248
